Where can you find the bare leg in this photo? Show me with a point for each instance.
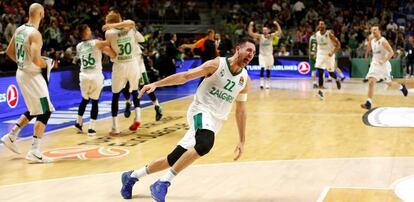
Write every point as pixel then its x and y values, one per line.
pixel 158 165
pixel 371 87
pixel 39 129
pixel 23 121
pixel 185 160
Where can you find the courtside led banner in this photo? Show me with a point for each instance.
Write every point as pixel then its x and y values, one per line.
pixel 294 67
pixel 11 99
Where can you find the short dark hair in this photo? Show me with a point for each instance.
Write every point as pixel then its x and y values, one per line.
pixel 244 40
pixel 82 28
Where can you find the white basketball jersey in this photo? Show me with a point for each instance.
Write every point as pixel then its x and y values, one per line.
pixel 90 56
pixel 22 46
pixel 378 50
pixel 266 46
pixel 123 42
pixel 325 44
pixel 217 92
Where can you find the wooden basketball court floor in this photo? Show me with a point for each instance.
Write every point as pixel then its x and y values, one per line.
pixel 298 148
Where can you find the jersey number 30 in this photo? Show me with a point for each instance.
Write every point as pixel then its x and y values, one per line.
pixel 125 49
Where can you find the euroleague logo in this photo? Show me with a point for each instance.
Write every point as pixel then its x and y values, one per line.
pixel 12 96
pixel 85 153
pixel 304 68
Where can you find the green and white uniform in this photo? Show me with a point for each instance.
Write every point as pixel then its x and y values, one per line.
pixel 377 70
pixel 312 41
pixel 91 77
pixel 213 101
pixel 140 59
pixel 125 68
pixel 266 58
pixel 29 78
pixel 325 45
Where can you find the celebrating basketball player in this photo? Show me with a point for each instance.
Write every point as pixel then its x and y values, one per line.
pixel 380 67
pixel 125 68
pixel 266 59
pixel 25 50
pixel 225 81
pixel 91 78
pixel 326 46
pixel 143 81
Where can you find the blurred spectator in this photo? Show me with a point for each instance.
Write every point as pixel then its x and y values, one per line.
pixel 171 55
pixel 298 9
pixel 283 52
pixel 10 29
pixel 224 45
pixel 392 26
pixel 53 36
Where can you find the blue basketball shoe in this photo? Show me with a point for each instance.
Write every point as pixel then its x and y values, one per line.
pixel 159 190
pixel 127 184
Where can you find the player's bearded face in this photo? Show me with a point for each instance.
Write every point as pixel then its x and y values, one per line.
pixel 246 53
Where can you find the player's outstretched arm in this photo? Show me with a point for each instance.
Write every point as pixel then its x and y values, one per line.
pixel 11 49
pixel 35 45
pixel 206 69
pixel 106 48
pixel 250 31
pixel 128 24
pixel 278 31
pixel 241 119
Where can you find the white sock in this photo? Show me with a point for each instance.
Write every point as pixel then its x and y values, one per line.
pixel 79 120
pixel 92 124
pixel 156 103
pixel 369 100
pixel 140 173
pixel 401 86
pixel 36 143
pixel 14 132
pixel 171 173
pixel 115 122
pixel 137 114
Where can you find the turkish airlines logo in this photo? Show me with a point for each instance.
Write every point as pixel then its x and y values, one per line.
pixel 12 96
pixel 85 153
pixel 304 68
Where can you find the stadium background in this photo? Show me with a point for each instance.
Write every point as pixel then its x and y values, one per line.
pixel 190 20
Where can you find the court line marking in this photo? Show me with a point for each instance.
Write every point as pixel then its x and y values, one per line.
pixel 322 196
pixel 326 190
pixel 392 186
pixel 211 165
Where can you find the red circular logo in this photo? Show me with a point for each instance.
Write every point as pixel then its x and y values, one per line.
pixel 304 68
pixel 12 96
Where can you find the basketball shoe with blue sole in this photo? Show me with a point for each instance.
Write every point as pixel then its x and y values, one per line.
pixel 159 190
pixel 127 184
